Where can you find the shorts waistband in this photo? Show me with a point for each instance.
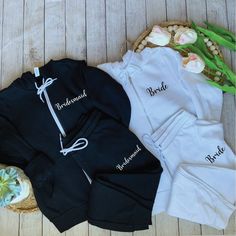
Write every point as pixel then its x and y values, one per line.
pixel 85 126
pixel 167 132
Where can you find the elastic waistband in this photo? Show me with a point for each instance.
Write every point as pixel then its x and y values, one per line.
pixel 85 126
pixel 167 132
pixel 90 123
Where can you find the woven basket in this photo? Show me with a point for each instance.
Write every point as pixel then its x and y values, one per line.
pixel 29 204
pixel 141 43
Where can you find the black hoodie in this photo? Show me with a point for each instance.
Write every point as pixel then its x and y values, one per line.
pixel 40 119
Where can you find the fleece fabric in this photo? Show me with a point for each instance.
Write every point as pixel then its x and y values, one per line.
pixel 61 128
pixel 157 87
pixel 202 167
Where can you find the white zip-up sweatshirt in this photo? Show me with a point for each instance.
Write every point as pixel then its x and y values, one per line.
pixel 157 87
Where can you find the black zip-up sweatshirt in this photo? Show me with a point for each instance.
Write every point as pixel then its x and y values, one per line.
pixel 68 127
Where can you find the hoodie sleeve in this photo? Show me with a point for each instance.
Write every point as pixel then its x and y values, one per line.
pixel 53 188
pixel 61 195
pixel 113 69
pixel 207 100
pixel 13 148
pixel 16 151
pixel 108 95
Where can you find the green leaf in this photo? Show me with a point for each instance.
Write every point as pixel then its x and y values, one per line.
pixel 200 41
pixel 201 45
pixel 221 31
pixel 225 87
pixel 209 62
pixel 194 26
pixel 231 76
pixel 217 38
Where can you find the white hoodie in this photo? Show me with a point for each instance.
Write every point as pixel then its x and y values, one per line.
pixel 158 86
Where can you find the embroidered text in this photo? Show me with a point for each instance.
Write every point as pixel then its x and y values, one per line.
pixel 68 101
pixel 161 88
pixel 129 159
pixel 219 152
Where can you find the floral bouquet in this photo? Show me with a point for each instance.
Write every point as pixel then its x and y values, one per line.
pixel 12 188
pixel 200 53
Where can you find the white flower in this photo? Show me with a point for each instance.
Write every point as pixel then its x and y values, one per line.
pixel 25 191
pixel 159 36
pixel 193 63
pixel 184 36
pixel 9 188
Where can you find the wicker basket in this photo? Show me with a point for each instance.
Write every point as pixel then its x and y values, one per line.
pixel 29 204
pixel 141 43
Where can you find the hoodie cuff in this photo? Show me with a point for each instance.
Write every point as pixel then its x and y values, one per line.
pixel 39 170
pixel 70 218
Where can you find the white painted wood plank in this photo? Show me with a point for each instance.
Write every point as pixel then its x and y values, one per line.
pixel 135 18
pixel 33 34
pixel 76 49
pixel 231 104
pixel 231 229
pixel 96 31
pixel 176 10
pixel 95 231
pixel 96 54
pixel 33 56
pixel 196 11
pixel 12 51
pixel 7 228
pixel 115 29
pixel 54 49
pixel 188 228
pixel 149 232
pixel 217 13
pixel 76 29
pixel 31 224
pixel 49 229
pixel 73 52
pixel 136 23
pixel 231 13
pixel 156 11
pixel 231 20
pixel 166 225
pixel 54 29
pixel 115 233
pixel 78 230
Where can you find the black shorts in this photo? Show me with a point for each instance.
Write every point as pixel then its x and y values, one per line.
pixel 124 175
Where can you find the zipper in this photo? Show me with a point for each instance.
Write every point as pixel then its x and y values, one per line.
pixel 53 113
pixel 140 100
pixel 88 178
pixel 58 123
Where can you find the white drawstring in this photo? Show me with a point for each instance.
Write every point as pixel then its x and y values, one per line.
pixel 75 146
pixel 44 85
pixel 80 143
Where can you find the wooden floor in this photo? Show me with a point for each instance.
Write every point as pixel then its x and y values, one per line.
pixel 34 31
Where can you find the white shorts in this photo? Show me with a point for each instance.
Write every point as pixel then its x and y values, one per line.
pixel 199 178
